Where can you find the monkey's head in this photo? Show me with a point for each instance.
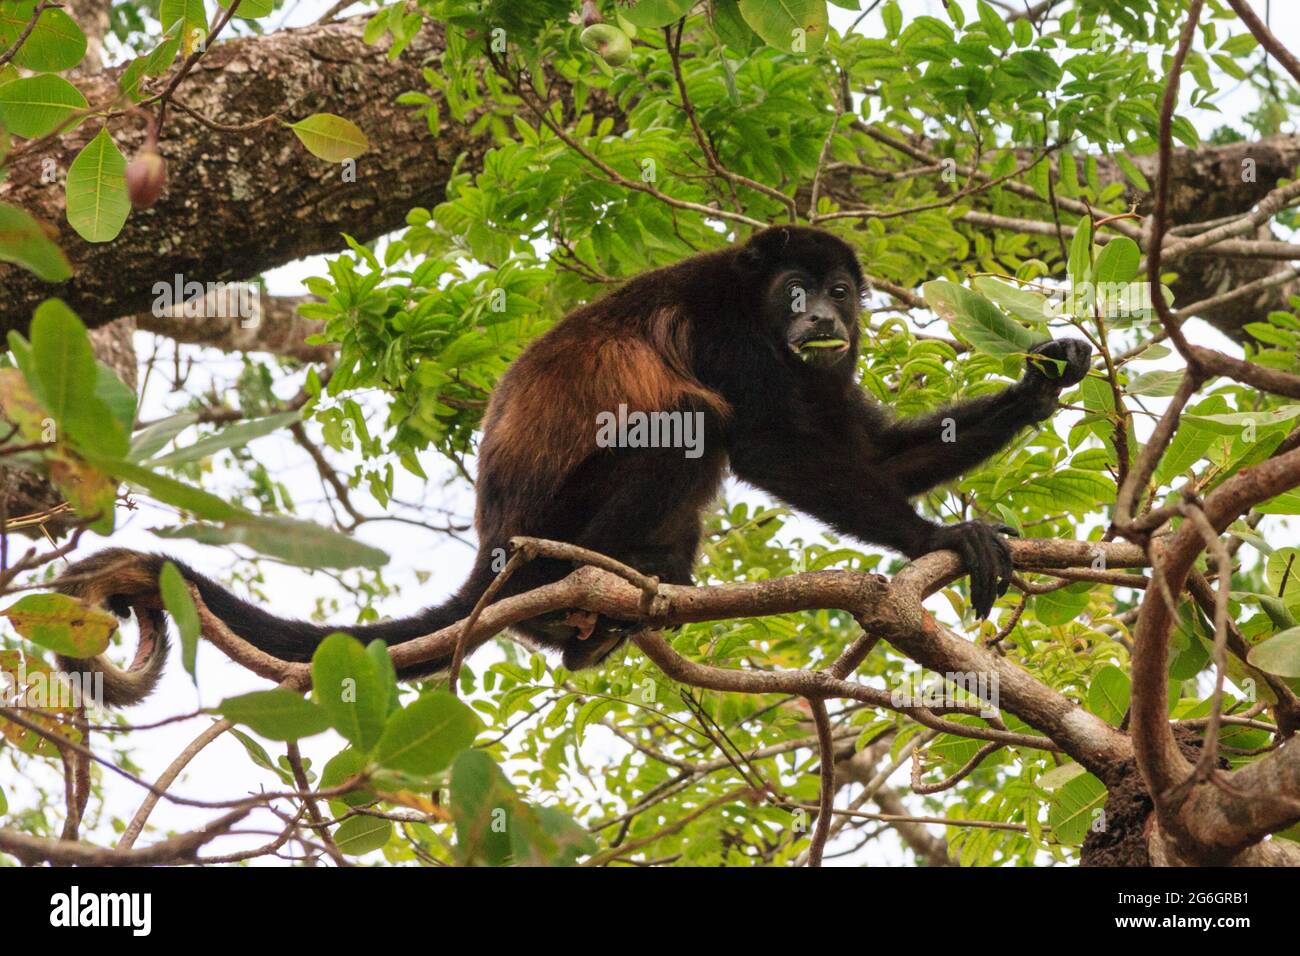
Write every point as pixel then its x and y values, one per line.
pixel 811 287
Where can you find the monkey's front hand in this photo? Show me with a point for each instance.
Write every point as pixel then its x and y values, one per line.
pixel 1051 367
pixel 987 558
pixel 1042 373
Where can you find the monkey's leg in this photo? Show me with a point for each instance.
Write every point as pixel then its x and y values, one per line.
pixel 607 634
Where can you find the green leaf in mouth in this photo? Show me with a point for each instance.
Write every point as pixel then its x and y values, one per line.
pixel 823 344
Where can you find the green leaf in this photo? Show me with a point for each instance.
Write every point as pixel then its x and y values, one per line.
pixel 67 381
pixel 1239 45
pixel 55 44
pixel 378 652
pixel 1131 172
pixel 61 623
pixel 25 243
pixel 330 137
pixel 154 439
pixel 341 768
pixel 547 836
pixel 1074 808
pixel 1233 423
pixel 97 199
pixel 482 804
pixel 233 436
pixel 1283 574
pixel 297 542
pixel 1279 654
pixel 251 9
pixel 277 714
pixel 116 395
pixel 179 602
pixel 1118 261
pixel 655 13
pixel 154 63
pixel 348 686
pixel 1023 303
pixel 170 491
pixel 257 753
pixel 1108 694
pixel 1059 776
pixel 188 17
pixel 362 834
pixel 731 26
pixel 792 26
pixel 996 28
pixel 1036 66
pixel 1161 383
pixel 1287 503
pixel 1062 605
pixel 978 320
pixel 1276 611
pixel 426 736
pixel 892 17
pixel 1189 651
pixel 1080 262
pixel 34 106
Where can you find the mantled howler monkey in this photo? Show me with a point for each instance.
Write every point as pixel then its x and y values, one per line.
pixel 761 340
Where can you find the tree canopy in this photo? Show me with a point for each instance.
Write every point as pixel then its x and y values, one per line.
pixel 471 171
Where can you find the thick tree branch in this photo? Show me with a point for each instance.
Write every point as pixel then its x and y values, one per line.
pixel 276 328
pixel 237 205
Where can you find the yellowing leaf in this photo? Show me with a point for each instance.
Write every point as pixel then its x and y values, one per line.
pixel 331 137
pixel 24 242
pixel 62 623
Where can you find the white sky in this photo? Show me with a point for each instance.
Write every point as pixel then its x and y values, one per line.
pixel 223 770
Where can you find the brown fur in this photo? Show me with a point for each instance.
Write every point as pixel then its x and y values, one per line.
pixel 537 434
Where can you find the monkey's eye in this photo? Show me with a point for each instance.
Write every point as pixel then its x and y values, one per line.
pixel 840 292
pixel 794 287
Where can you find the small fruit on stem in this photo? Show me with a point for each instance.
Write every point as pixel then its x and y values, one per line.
pixel 609 42
pixel 146 175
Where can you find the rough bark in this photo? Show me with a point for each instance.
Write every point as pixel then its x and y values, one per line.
pixel 238 204
pixel 1223 181
pixel 278 329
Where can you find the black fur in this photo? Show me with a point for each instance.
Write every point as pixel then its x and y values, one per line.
pixel 716 334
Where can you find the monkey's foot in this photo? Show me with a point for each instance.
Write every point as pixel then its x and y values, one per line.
pixel 584 621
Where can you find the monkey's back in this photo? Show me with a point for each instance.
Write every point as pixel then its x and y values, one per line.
pixel 632 347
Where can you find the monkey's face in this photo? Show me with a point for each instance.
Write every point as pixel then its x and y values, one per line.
pixel 816 315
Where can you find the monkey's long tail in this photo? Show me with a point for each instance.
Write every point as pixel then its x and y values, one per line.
pixel 115 576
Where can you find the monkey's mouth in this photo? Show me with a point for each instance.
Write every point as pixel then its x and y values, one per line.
pixel 818 345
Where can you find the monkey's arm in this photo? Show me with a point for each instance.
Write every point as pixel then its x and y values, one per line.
pixel 829 469
pixel 928 450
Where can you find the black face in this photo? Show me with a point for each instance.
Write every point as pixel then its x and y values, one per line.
pixel 817 315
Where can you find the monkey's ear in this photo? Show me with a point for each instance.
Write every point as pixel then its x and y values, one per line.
pixel 750 257
pixel 759 250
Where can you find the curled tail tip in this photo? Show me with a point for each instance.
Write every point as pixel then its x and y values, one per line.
pixel 111 578
pixel 124 687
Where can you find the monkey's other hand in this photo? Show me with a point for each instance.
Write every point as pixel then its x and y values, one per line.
pixel 1043 371
pixel 986 555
